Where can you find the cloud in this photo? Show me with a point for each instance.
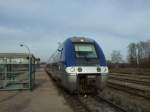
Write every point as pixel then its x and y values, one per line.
pixel 46 22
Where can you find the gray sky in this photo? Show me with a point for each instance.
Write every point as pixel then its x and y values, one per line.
pixel 41 24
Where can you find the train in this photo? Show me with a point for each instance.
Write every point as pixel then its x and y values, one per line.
pixel 79 65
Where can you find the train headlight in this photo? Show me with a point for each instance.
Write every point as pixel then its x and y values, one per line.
pixel 79 69
pixel 106 70
pixel 98 69
pixel 72 69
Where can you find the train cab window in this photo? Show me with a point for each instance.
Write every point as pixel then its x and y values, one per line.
pixel 85 50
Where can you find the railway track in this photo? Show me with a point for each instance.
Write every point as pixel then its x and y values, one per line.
pixel 129 71
pixel 135 84
pixel 117 107
pixel 98 104
pixel 132 75
pixel 92 104
pixel 88 103
pixel 135 80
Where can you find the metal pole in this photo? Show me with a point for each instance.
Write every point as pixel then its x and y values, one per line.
pixel 29 64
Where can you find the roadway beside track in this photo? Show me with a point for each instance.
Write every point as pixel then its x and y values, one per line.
pixel 44 98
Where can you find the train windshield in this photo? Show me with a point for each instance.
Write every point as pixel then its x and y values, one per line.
pixel 85 50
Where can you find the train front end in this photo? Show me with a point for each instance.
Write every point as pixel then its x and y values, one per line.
pixel 88 70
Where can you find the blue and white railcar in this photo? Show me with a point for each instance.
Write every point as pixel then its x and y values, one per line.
pixel 78 64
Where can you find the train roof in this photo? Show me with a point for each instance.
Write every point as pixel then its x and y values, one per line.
pixel 81 39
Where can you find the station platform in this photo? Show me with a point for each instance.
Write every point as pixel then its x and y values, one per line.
pixel 44 98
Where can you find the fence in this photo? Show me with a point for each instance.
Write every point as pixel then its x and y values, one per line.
pixel 17 71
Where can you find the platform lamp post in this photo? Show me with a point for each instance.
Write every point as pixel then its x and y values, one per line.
pixel 23 45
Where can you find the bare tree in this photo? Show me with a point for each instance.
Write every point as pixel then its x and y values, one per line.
pixel 139 54
pixel 132 54
pixel 116 57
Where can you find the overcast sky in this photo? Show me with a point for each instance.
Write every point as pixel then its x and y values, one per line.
pixel 41 24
